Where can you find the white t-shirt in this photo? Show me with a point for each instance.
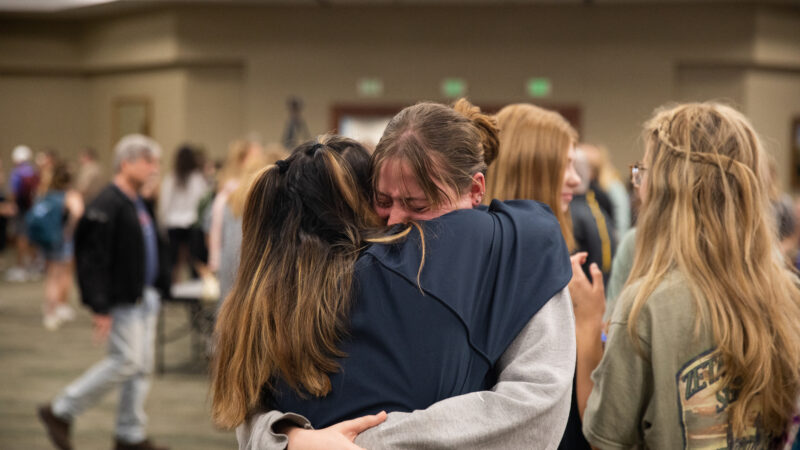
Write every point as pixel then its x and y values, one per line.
pixel 177 205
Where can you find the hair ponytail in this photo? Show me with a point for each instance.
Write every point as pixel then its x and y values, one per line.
pixel 305 220
pixel 486 126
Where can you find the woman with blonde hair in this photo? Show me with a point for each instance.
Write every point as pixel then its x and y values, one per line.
pixel 404 352
pixel 535 161
pixel 67 205
pixel 610 182
pixel 230 238
pixel 703 344
pixel 242 154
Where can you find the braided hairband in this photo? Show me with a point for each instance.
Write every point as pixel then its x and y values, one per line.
pixel 714 159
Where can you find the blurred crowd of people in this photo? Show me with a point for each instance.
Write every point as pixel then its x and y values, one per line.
pixel 200 207
pixel 196 207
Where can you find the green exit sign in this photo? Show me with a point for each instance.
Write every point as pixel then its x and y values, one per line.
pixel 538 87
pixel 454 87
pixel 370 87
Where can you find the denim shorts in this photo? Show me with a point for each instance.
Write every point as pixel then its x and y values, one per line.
pixel 63 252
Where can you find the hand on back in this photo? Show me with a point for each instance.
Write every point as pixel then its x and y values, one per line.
pixel 338 436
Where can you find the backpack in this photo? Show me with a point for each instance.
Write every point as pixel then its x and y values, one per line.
pixel 44 222
pixel 26 191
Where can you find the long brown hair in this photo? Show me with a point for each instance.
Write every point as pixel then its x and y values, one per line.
pixel 532 160
pixel 705 213
pixel 305 221
pixel 441 144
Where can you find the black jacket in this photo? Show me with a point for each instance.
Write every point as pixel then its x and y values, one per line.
pixel 590 237
pixel 109 253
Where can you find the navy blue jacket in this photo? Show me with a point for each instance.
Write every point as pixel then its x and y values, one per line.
pixel 486 274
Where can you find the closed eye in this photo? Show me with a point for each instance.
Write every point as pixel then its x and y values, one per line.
pixel 383 202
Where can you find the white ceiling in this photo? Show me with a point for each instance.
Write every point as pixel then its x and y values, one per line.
pixel 45 6
pixel 56 6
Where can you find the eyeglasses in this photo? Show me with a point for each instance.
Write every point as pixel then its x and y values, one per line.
pixel 637 171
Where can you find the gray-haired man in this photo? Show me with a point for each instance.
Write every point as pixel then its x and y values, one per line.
pixel 119 267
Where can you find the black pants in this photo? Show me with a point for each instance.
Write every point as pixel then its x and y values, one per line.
pixel 193 240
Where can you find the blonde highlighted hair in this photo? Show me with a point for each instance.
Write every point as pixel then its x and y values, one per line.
pixel 532 159
pixel 706 214
pixel 305 221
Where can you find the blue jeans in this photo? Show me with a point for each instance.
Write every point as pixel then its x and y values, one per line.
pixel 128 365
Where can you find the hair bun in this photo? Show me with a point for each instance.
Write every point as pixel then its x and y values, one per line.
pixel 486 126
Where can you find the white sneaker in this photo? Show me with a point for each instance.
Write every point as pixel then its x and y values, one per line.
pixel 65 313
pixel 51 321
pixel 16 275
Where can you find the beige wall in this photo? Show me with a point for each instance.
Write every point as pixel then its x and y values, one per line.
pixel 214 73
pixel 131 40
pixel 166 89
pixel 699 84
pixel 778 35
pixel 616 63
pixel 773 100
pixel 43 112
pixel 26 42
pixel 214 108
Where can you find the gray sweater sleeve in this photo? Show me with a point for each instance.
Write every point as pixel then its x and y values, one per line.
pixel 528 406
pixel 257 432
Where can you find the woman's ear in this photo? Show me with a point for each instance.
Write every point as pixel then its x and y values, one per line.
pixel 478 189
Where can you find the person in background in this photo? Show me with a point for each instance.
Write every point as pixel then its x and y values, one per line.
pixel 181 192
pixel 784 213
pixel 591 224
pixel 7 210
pixel 90 179
pixel 623 256
pixel 121 269
pixel 59 257
pixel 702 345
pixel 620 270
pixel 605 178
pixel 23 183
pixel 46 161
pixel 536 162
pixel 231 237
pixel 623 259
pixel 240 154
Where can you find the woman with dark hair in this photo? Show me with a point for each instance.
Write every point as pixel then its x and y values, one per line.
pixel 469 300
pixel 181 192
pixel 67 207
